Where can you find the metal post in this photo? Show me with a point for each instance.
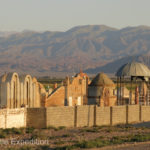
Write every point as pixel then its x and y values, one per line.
pixel 130 99
pixel 120 92
pixel 131 89
pixel 117 91
pixel 123 91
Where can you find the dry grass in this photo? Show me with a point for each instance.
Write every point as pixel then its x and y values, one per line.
pixel 72 138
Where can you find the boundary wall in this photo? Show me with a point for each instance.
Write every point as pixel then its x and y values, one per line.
pixel 10 118
pixel 73 116
pixel 86 115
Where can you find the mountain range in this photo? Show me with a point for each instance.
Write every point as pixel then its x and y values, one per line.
pixel 92 48
pixel 112 67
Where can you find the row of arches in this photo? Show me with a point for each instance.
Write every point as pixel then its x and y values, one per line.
pixel 19 91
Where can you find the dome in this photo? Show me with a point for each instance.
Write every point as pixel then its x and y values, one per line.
pixel 133 69
pixel 102 80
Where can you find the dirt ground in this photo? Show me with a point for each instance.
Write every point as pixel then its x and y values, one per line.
pixel 132 146
pixel 120 137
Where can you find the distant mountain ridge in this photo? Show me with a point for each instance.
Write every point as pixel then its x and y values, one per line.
pixel 82 47
pixel 112 67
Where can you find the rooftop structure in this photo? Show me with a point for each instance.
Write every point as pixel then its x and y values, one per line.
pixel 133 69
pixel 101 91
pixel 102 79
pixel 140 94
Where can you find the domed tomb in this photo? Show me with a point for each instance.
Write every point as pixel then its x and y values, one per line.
pixel 102 79
pixel 139 74
pixel 101 91
pixel 133 69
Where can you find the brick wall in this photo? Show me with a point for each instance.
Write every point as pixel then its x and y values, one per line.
pixel 133 113
pixel 60 116
pixel 118 115
pixel 3 116
pixel 16 118
pixel 145 113
pixel 102 116
pixel 36 117
pixel 13 118
pixel 57 98
pixel 77 116
pixel 85 115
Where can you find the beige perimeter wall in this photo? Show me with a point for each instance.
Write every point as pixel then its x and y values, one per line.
pixel 10 118
pixel 87 115
pixel 60 116
pixel 36 117
pixel 102 116
pixel 69 116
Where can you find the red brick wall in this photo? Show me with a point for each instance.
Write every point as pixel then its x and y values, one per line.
pixel 57 98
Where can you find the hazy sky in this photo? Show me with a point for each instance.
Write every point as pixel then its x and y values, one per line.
pixel 60 15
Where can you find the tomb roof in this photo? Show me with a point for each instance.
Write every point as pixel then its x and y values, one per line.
pixel 102 79
pixel 133 69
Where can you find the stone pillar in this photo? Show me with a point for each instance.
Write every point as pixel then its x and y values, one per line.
pixel 3 94
pixel 24 94
pixel 8 96
pixel 67 91
pixel 130 98
pixel 18 94
pixel 30 94
pixel 38 95
pixel 144 95
pixel 34 95
pixel 21 95
pixel 136 95
pixel 11 94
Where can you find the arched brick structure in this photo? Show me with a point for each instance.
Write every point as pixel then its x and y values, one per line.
pixel 23 91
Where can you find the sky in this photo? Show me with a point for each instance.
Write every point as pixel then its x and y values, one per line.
pixel 61 15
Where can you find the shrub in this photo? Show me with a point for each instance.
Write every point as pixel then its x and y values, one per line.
pixel 52 127
pixel 44 147
pixel 4 132
pixel 29 130
pixel 94 129
pixel 2 135
pixel 26 148
pixel 66 135
pixel 59 142
pixel 92 143
pixel 116 140
pixel 61 127
pixel 16 131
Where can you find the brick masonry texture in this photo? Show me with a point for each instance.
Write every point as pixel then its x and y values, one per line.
pixel 36 117
pixel 145 113
pixel 133 113
pixel 102 116
pixel 13 118
pixel 118 115
pixel 73 116
pixel 60 116
pixel 85 116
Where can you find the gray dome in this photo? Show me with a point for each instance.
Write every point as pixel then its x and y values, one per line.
pixel 133 69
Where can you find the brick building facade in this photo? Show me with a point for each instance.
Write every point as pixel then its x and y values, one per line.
pixel 73 92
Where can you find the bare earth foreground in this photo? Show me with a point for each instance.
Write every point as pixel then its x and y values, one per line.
pixel 120 137
pixel 134 146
